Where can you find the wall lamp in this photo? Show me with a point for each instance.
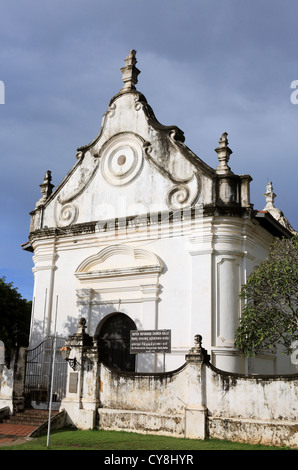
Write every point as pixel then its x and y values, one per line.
pixel 65 352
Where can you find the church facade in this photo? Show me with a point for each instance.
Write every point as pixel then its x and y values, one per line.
pixel 141 234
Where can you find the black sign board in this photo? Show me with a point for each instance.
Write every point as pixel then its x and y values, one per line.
pixel 150 341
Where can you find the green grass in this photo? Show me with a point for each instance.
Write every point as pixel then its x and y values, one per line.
pixel 115 440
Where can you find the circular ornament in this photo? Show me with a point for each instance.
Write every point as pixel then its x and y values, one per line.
pixel 122 160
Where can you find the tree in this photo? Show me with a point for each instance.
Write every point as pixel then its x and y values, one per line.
pixel 270 296
pixel 15 314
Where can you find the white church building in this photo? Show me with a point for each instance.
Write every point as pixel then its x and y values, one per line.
pixel 141 234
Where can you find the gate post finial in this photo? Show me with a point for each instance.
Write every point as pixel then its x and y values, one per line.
pixel 82 326
pixel 197 353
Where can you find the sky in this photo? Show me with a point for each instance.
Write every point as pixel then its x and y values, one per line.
pixel 207 66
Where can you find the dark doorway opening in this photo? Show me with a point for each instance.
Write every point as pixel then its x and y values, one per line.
pixel 114 342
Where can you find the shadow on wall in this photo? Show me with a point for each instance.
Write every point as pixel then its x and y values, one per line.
pixel 95 312
pixel 91 308
pixel 112 336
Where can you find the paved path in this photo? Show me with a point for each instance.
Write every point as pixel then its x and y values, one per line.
pixel 14 433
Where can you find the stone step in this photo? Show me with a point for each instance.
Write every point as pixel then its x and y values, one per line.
pixel 29 417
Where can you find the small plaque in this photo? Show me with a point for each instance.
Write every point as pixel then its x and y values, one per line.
pixel 73 382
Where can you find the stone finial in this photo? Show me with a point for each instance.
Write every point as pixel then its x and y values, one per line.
pixel 270 196
pixel 82 325
pixel 198 342
pixel 130 72
pixel 197 353
pixel 274 211
pixel 46 188
pixel 223 154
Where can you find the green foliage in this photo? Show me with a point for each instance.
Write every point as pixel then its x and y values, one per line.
pixel 270 297
pixel 15 314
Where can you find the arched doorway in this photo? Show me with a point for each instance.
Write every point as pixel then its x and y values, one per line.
pixel 113 339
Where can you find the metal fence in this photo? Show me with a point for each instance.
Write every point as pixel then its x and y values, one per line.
pixel 38 375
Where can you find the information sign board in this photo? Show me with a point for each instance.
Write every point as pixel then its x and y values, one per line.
pixel 150 341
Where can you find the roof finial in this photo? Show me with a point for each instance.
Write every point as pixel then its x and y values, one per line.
pixel 130 72
pixel 270 196
pixel 46 188
pixel 223 154
pixel 276 213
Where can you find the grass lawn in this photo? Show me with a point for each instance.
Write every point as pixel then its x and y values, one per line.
pixel 114 440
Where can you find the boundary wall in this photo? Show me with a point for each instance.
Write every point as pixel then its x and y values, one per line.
pixel 12 382
pixel 195 401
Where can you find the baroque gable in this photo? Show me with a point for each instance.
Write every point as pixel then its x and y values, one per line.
pixel 136 165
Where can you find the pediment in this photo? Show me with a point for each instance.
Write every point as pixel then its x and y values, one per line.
pixel 119 260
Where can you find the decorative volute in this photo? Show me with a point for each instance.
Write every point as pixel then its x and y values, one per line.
pixel 223 154
pixel 130 72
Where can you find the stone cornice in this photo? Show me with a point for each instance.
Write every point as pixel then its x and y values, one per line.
pixel 54 232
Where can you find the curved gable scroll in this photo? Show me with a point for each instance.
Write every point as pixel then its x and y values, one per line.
pixel 119 260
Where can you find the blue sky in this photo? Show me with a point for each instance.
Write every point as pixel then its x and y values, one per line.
pixel 207 66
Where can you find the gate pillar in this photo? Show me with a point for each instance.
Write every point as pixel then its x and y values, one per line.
pixel 196 411
pixel 19 378
pixel 82 398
